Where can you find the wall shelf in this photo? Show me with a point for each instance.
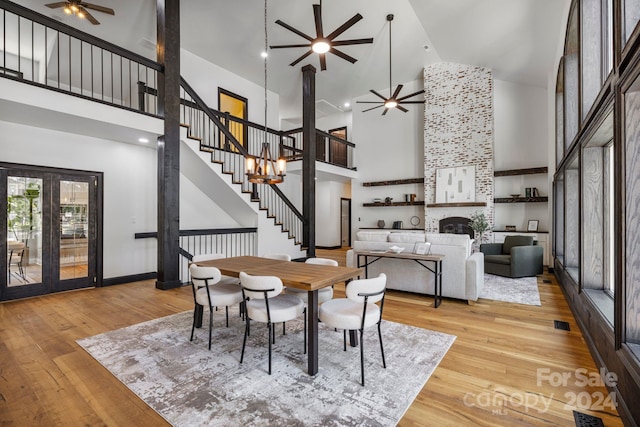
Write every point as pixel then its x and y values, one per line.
pixel 527 171
pixel 520 199
pixel 394 182
pixel 456 205
pixel 377 205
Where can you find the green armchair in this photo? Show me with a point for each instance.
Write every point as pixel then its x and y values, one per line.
pixel 518 256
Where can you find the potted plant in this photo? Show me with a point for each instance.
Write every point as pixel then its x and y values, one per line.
pixel 479 225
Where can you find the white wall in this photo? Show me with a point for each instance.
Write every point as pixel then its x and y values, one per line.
pixel 205 78
pixel 521 135
pixel 387 147
pixel 128 208
pixel 335 121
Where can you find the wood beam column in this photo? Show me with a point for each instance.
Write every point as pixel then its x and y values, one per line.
pixel 168 148
pixel 309 159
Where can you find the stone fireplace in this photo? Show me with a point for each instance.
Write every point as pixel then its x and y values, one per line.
pixel 456 225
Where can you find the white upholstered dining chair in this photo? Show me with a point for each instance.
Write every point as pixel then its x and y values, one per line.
pixel 278 256
pixel 324 294
pixel 212 256
pixel 208 291
pixel 358 311
pixel 264 302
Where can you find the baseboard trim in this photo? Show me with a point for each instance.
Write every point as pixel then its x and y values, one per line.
pixel 328 247
pixel 128 279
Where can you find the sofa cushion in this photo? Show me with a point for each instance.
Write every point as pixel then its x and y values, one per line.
pixel 373 236
pixel 450 239
pixel 511 241
pixel 406 237
pixel 498 259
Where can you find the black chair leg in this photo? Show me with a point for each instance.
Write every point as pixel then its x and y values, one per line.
pixel 304 315
pixel 344 339
pixel 384 364
pixel 210 325
pixel 227 314
pixel 271 332
pixel 244 341
pixel 362 357
pixel 283 329
pixel 193 325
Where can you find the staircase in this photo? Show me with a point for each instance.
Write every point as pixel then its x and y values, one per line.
pixel 211 130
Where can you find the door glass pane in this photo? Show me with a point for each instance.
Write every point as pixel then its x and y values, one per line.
pixel 74 229
pixel 24 230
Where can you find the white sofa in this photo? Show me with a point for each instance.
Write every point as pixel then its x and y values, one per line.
pixel 462 271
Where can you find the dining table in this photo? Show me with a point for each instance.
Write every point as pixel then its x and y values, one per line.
pixel 299 275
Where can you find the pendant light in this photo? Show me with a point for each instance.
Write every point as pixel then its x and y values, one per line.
pixel 263 169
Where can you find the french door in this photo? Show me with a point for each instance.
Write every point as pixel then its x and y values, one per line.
pixel 48 230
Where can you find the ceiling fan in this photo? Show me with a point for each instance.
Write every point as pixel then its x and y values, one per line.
pixel 322 44
pixel 392 101
pixel 79 9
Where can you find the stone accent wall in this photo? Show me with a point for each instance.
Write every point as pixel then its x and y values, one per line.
pixel 458 131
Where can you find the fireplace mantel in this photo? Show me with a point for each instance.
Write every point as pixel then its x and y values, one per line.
pixel 455 205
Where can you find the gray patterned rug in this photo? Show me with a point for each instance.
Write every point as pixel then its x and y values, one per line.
pixel 191 386
pixel 522 291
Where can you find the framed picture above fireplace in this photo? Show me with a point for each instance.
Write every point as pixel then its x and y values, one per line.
pixel 456 185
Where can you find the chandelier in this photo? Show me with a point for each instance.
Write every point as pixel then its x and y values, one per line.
pixel 263 169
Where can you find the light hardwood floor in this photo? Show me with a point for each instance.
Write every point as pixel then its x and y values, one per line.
pixel 501 369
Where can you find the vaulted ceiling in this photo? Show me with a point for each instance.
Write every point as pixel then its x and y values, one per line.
pixel 517 39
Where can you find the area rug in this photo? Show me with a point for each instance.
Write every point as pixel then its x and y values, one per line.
pixel 189 385
pixel 522 291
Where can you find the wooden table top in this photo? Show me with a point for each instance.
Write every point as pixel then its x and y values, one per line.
pixel 402 255
pixel 298 275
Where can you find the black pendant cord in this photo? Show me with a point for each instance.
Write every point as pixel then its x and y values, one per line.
pixel 265 70
pixel 390 18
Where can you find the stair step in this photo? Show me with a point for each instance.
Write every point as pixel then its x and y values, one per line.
pixel 195 138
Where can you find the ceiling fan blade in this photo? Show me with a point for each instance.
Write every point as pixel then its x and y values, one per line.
pixel 344 27
pixel 378 95
pixel 283 46
pixel 404 110
pixel 56 5
pixel 410 102
pixel 348 42
pixel 89 16
pixel 97 8
pixel 396 92
pixel 323 62
pixel 385 111
pixel 317 16
pixel 409 96
pixel 369 102
pixel 343 55
pixel 290 28
pixel 293 64
pixel 372 108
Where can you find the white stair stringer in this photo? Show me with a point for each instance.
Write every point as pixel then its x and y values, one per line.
pixel 209 177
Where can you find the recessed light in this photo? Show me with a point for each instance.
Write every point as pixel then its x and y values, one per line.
pixel 426 48
pixel 143 140
pixel 347 105
pixel 264 54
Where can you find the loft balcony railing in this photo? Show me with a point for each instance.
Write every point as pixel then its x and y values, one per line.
pixel 37 50
pixel 329 148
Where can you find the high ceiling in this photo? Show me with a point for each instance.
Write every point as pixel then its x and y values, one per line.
pixel 517 39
